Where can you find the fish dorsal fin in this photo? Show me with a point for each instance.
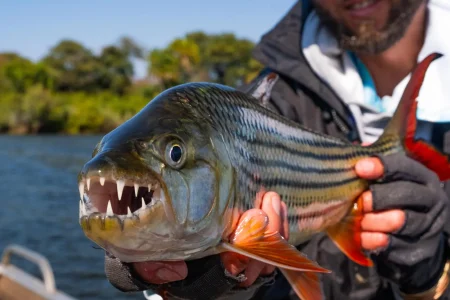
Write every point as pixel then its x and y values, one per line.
pixel 263 88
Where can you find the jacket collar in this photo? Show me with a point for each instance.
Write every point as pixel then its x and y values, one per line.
pixel 280 50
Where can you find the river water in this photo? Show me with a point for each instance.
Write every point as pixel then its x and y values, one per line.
pixel 39 210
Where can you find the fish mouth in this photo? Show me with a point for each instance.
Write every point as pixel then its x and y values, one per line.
pixel 131 220
pixel 123 211
pixel 123 198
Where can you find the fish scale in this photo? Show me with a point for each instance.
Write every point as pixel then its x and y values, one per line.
pixel 275 154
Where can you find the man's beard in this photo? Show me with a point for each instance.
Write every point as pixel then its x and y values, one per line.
pixel 368 39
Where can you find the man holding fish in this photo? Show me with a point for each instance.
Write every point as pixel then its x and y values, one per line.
pixel 342 67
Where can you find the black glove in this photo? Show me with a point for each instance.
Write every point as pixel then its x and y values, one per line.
pixel 207 279
pixel 416 254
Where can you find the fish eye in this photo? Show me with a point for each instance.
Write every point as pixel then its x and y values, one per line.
pixel 175 154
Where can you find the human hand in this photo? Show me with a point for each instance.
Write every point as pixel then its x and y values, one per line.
pixel 163 272
pixel 405 212
pixel 235 264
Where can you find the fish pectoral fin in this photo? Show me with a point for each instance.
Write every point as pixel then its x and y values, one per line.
pixel 298 270
pixel 347 235
pixel 252 240
pixel 305 284
pixel 276 251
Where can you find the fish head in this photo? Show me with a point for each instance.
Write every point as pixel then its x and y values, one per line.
pixel 158 186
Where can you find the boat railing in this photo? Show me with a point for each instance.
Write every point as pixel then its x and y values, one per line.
pixel 17 284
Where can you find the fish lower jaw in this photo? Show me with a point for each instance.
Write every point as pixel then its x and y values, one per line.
pixel 171 253
pixel 111 222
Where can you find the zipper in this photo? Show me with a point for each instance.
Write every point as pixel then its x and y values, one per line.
pixel 339 122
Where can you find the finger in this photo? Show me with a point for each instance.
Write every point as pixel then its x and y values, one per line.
pixel 284 221
pixel 416 224
pixel 369 168
pixel 271 205
pixel 161 272
pixel 234 263
pixel 402 194
pixel 374 240
pixel 387 221
pixel 401 167
pixel 252 272
pixel 284 231
pixel 268 269
pixel 367 198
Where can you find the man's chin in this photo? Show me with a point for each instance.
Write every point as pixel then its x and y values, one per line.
pixel 366 38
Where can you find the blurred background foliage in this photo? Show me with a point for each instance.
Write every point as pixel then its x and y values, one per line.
pixel 75 91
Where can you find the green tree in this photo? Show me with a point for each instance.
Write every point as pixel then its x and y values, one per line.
pixel 131 48
pixel 175 64
pixel 74 67
pixel 117 70
pixel 198 56
pixel 228 58
pixel 18 73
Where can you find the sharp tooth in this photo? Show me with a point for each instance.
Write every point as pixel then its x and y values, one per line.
pixel 136 189
pixel 109 210
pixel 149 187
pixel 102 181
pixel 88 183
pixel 129 214
pixel 81 189
pixel 83 208
pixel 143 203
pixel 120 184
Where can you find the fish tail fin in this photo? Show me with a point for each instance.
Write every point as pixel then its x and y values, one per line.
pixel 305 284
pixel 347 235
pixel 399 134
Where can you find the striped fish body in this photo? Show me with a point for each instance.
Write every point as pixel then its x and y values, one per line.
pixel 179 180
pixel 313 173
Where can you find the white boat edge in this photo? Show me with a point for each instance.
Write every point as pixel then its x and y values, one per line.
pixel 16 283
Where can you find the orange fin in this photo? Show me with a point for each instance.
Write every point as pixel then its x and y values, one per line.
pixel 429 156
pixel 404 123
pixel 423 152
pixel 305 284
pixel 251 240
pixel 347 235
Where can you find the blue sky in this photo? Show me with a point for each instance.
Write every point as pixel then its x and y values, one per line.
pixel 32 27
